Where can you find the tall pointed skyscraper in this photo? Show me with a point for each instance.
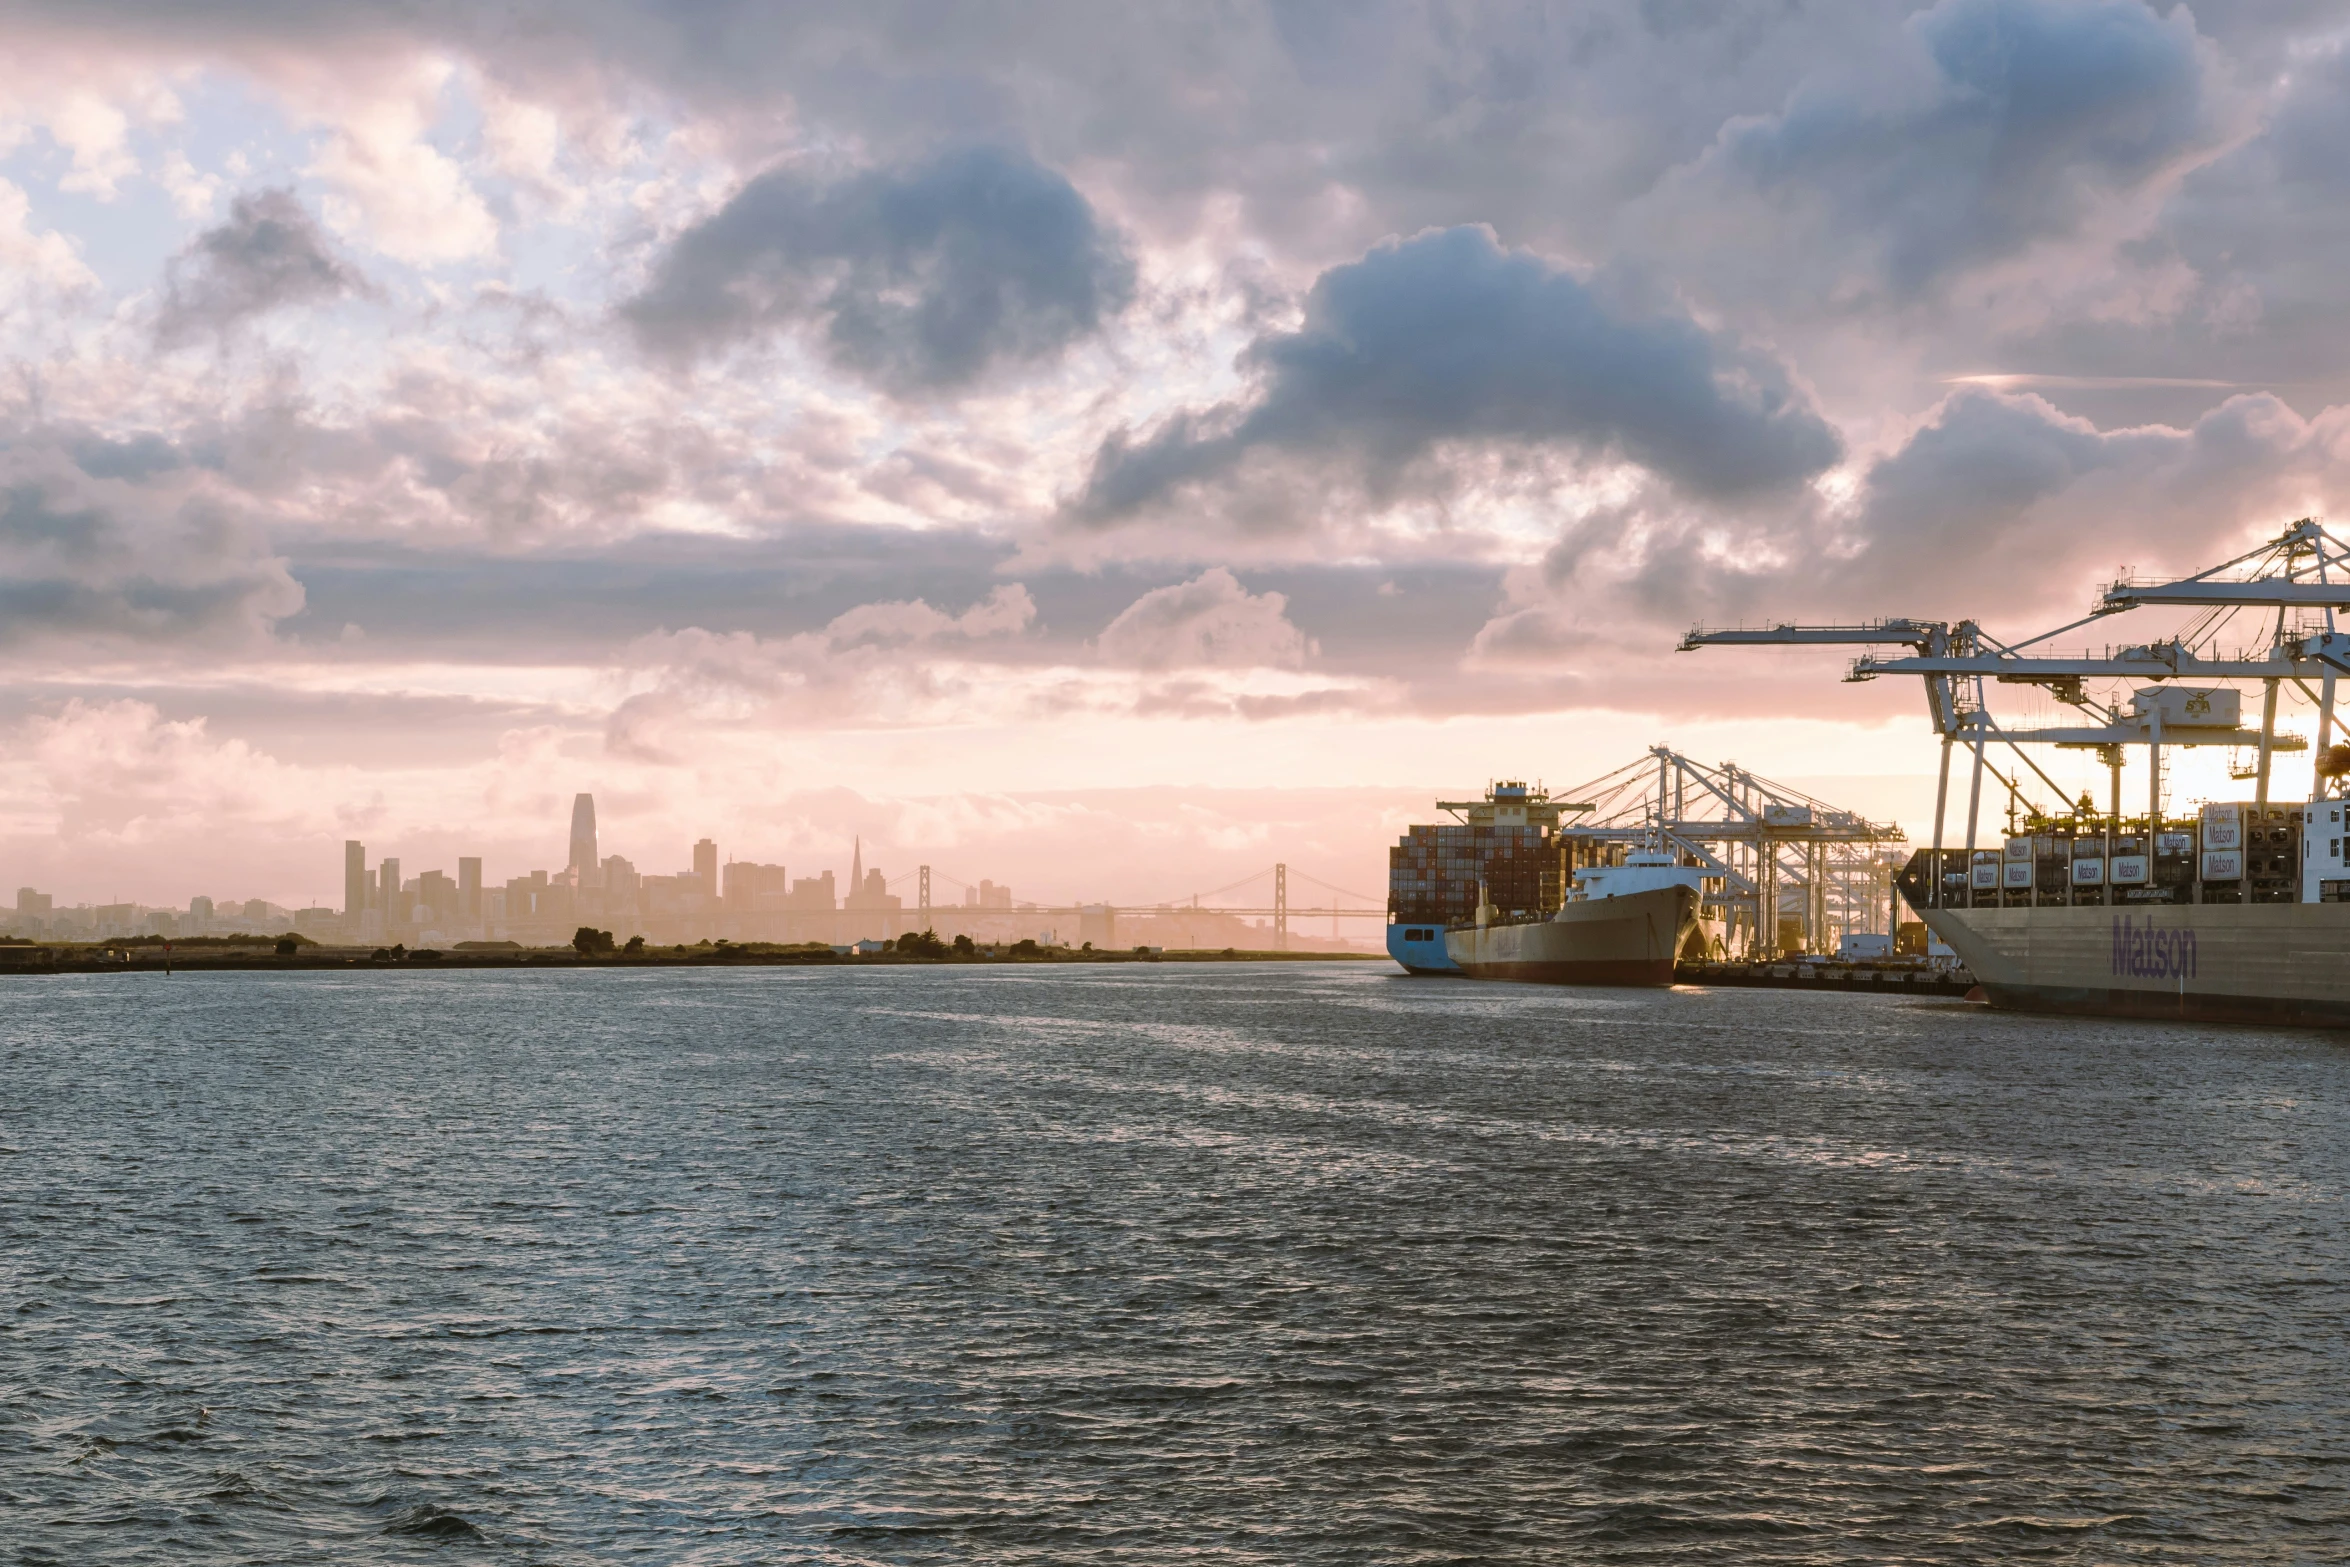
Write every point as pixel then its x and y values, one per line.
pixel 354 883
pixel 857 867
pixel 583 833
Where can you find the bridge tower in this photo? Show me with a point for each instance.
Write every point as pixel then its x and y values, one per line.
pixel 1281 907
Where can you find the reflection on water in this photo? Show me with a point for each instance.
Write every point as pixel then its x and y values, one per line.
pixel 1246 1264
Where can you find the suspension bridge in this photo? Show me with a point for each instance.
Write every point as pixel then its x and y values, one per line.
pixel 1276 879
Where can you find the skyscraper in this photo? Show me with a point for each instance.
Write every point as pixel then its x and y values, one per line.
pixel 469 885
pixel 354 880
pixel 705 866
pixel 583 834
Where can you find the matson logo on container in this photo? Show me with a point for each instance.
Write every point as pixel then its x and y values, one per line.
pixel 2146 951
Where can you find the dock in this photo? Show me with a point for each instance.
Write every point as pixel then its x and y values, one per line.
pixel 1828 974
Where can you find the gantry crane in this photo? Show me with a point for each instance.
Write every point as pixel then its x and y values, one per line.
pixel 2303 572
pixel 1752 837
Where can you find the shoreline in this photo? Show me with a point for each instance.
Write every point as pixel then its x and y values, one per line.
pixel 100 958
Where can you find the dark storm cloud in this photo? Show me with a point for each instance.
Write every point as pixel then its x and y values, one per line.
pixel 578 605
pixel 138 454
pixel 1997 506
pixel 919 279
pixel 2256 236
pixel 1539 119
pixel 1316 130
pixel 85 553
pixel 1993 480
pixel 1994 125
pixel 1982 463
pixel 1447 337
pixel 268 254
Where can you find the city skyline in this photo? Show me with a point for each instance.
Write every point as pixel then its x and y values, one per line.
pixel 389 900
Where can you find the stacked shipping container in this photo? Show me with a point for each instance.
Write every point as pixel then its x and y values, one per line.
pixel 1433 873
pixel 2236 853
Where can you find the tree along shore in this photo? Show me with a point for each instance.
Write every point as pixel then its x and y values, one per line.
pixel 296 952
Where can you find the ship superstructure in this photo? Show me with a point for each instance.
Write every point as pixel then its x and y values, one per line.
pixel 1784 871
pixel 2234 910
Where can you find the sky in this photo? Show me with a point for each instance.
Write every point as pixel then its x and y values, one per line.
pixel 1103 449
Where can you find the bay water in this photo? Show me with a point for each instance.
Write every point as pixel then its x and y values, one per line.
pixel 1246 1263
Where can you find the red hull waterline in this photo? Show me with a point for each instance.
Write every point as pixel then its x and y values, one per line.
pixel 2191 1007
pixel 1636 971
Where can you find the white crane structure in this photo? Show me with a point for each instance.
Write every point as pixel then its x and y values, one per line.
pixel 2267 615
pixel 1759 842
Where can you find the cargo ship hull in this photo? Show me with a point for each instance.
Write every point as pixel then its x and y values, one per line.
pixel 1630 939
pixel 2208 962
pixel 1420 949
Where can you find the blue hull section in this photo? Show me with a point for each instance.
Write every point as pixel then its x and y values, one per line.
pixel 1420 949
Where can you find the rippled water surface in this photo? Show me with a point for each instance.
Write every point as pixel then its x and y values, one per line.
pixel 1155 1263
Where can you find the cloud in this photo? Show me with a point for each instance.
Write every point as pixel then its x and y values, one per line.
pixel 35 267
pixel 268 255
pixel 1409 114
pixel 919 279
pixel 391 186
pixel 122 541
pixel 2253 235
pixel 1989 127
pixel 1005 612
pixel 1448 340
pixel 485 605
pixel 97 133
pixel 1989 480
pixel 118 774
pixel 441 444
pixel 192 191
pixel 1996 506
pixel 1977 470
pixel 876 663
pixel 1209 621
pixel 1539 635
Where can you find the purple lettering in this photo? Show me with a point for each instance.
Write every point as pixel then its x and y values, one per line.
pixel 2147 952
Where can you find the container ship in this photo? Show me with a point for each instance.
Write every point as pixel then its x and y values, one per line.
pixel 2242 915
pixel 2238 910
pixel 1494 895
